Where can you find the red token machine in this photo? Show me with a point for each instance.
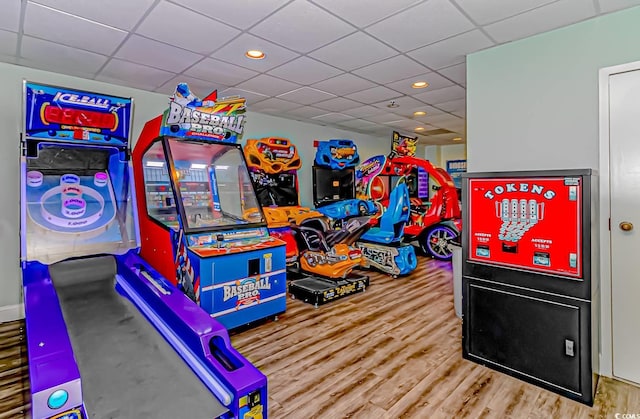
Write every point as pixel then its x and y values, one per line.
pixel 528 289
pixel 201 224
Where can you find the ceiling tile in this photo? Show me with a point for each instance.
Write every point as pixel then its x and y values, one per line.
pixel 156 54
pixel 461 113
pixel 135 75
pixel 123 14
pixel 332 117
pixel 274 105
pixel 302 27
pixel 452 106
pixel 611 5
pixel 403 102
pixel 234 51
pixel 391 69
pixel 268 85
pixel 357 124
pixel 385 118
pixel 365 110
pixel 445 94
pixel 344 84
pixel 306 112
pixel 60 27
pixel 239 13
pixel 59 58
pixel 373 95
pixel 410 125
pixel 457 73
pixel 488 11
pixel 10 16
pixel 363 12
pixel 338 104
pixel 408 112
pixel 251 97
pixel 204 35
pixel 421 25
pixel 546 18
pixel 8 43
pixel 305 70
pixel 435 80
pixel 217 71
pixel 306 95
pixel 354 51
pixel 451 51
pixel 435 119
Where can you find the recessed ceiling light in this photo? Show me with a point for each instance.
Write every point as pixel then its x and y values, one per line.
pixel 254 54
pixel 419 113
pixel 420 84
pixel 457 139
pixel 419 129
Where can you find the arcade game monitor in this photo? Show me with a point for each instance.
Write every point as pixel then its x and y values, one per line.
pixel 98 318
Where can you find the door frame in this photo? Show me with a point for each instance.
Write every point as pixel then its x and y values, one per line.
pixel 604 210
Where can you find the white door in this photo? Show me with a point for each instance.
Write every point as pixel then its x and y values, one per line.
pixel 624 114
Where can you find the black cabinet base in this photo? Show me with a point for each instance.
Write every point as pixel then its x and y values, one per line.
pixel 537 337
pixel 318 291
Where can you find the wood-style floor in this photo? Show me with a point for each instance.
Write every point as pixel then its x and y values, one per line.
pixel 395 352
pixel 14 374
pixel 391 352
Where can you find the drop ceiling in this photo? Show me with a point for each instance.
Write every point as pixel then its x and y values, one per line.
pixel 339 63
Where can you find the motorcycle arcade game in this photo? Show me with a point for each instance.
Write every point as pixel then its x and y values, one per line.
pixel 434 219
pixel 200 222
pixel 106 334
pixel 335 196
pixel 528 292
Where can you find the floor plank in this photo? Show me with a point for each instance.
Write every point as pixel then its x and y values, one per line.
pixel 395 352
pixel 14 372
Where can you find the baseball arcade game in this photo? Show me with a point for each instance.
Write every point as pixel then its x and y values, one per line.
pixel 528 292
pixel 100 321
pixel 201 224
pixel 334 194
pixel 435 210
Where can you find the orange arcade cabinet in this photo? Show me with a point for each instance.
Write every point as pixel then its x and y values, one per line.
pixel 201 224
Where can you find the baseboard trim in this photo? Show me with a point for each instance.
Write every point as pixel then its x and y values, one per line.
pixel 11 313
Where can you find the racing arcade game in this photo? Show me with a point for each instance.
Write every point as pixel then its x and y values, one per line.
pixel 99 319
pixel 334 180
pixel 201 224
pixel 528 288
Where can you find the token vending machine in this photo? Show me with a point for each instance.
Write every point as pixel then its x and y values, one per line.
pixel 528 289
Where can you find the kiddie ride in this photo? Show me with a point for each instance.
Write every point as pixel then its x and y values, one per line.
pixel 434 218
pixel 90 320
pixel 334 194
pixel 320 260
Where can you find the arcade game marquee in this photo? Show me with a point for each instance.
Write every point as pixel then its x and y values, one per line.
pixel 100 320
pixel 528 289
pixel 201 224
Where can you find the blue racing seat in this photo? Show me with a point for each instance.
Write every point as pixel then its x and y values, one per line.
pixel 392 222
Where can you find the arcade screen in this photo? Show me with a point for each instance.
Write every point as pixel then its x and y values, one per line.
pixel 212 180
pixel 332 185
pixel 77 202
pixel 279 189
pixel 527 223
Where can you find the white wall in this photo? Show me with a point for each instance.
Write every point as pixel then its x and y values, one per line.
pixel 147 105
pixel 533 105
pixel 440 154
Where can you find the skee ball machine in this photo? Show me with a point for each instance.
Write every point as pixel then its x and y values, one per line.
pixel 201 224
pixel 528 288
pixel 98 317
